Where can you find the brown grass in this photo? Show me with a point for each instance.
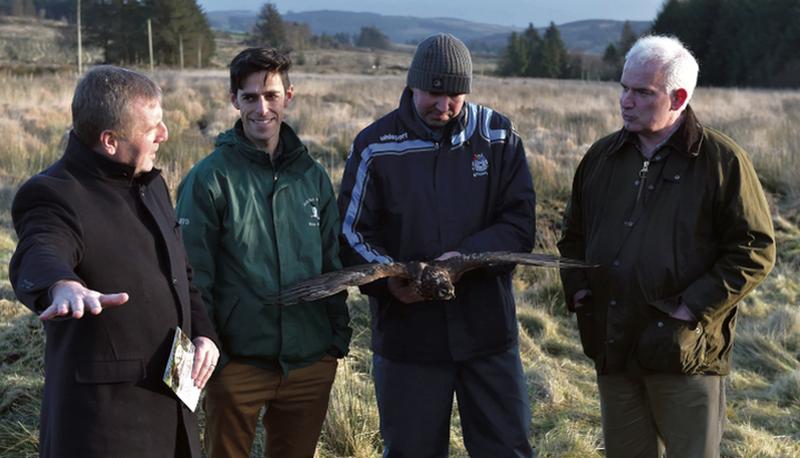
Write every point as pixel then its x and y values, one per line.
pixel 558 120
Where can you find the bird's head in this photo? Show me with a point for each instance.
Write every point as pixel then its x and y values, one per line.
pixel 435 284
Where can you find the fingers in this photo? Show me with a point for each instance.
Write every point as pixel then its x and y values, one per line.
pixel 113 300
pixel 74 299
pixel 403 290
pixel 55 310
pixel 205 360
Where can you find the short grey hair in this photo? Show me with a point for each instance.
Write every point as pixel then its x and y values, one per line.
pixel 103 101
pixel 679 65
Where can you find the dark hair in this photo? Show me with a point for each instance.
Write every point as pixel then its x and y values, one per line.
pixel 254 60
pixel 104 98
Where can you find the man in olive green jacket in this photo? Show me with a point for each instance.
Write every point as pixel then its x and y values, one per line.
pixel 259 214
pixel 674 213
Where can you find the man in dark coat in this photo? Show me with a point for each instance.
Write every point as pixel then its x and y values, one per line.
pixel 435 178
pixel 674 213
pixel 97 231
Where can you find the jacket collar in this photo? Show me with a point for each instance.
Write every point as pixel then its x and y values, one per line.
pixel 289 143
pixel 81 156
pixel 687 139
pixel 413 121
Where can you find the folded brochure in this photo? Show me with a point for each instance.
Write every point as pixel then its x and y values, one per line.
pixel 178 374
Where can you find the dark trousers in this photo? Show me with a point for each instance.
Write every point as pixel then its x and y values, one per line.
pixel 645 415
pixel 296 405
pixel 415 402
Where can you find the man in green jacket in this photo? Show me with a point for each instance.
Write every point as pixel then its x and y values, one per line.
pixel 259 214
pixel 674 213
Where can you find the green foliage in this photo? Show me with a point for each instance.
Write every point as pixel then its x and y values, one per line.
pixel 528 54
pixel 554 54
pixel 269 30
pixel 119 28
pixel 738 42
pixel 372 37
pixel 180 27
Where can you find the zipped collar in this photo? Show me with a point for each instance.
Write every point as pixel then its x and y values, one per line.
pixel 78 155
pixel 290 144
pixel 412 121
pixel 686 140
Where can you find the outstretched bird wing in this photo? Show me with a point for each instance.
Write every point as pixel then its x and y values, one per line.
pixel 333 282
pixel 460 264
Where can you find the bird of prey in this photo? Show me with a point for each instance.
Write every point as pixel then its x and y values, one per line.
pixel 433 280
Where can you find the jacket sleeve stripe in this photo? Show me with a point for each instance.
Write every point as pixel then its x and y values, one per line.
pixel 353 212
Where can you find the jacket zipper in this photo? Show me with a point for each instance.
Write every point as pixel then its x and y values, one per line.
pixel 642 179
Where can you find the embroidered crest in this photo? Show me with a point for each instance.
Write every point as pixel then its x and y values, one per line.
pixel 312 211
pixel 480 165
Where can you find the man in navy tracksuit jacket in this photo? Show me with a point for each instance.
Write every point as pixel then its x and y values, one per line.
pixel 432 179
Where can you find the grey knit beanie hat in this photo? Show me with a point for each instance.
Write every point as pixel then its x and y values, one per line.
pixel 441 64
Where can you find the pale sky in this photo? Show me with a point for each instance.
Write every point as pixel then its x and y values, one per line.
pixel 505 12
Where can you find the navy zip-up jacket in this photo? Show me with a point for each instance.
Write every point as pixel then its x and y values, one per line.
pixel 406 196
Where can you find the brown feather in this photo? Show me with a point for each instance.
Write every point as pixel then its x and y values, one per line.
pixel 433 279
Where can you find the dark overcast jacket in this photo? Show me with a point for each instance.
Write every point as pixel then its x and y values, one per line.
pixel 696 230
pixel 87 219
pixel 408 196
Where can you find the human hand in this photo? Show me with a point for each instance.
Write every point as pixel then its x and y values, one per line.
pixel 404 290
pixel 206 355
pixel 71 297
pixel 447 255
pixel 580 298
pixel 684 313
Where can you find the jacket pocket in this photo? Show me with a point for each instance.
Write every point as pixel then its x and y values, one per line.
pixel 587 326
pixel 119 371
pixel 672 346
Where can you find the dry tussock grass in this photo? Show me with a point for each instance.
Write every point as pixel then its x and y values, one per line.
pixel 558 120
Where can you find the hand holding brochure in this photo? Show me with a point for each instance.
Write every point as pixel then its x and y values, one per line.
pixel 178 374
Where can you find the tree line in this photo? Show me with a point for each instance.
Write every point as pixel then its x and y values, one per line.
pixel 737 42
pixel 180 30
pixel 271 30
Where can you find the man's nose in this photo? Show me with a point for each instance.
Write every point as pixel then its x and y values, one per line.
pixel 163 133
pixel 626 100
pixel 262 105
pixel 443 103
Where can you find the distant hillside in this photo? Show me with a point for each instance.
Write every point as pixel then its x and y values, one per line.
pixel 590 36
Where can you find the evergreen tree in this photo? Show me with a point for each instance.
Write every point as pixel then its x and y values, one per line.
pixel 514 61
pixel 554 54
pixel 372 37
pixel 269 29
pixel 627 37
pixel 532 43
pixel 180 25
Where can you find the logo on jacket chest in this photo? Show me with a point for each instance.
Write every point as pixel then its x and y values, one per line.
pixel 311 207
pixel 480 165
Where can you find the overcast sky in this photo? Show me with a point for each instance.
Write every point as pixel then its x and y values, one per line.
pixel 505 12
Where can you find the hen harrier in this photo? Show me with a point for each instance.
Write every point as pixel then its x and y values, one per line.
pixel 432 279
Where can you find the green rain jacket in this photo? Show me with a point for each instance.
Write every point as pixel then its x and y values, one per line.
pixel 252 227
pixel 691 225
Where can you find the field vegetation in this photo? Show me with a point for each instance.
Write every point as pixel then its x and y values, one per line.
pixel 558 120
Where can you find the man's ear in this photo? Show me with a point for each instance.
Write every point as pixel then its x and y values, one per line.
pixel 678 98
pixel 289 95
pixel 234 101
pixel 109 142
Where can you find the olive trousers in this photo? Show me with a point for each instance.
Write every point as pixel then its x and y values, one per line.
pixel 295 407
pixel 647 415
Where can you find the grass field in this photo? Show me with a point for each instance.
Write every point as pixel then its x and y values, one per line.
pixel 558 120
